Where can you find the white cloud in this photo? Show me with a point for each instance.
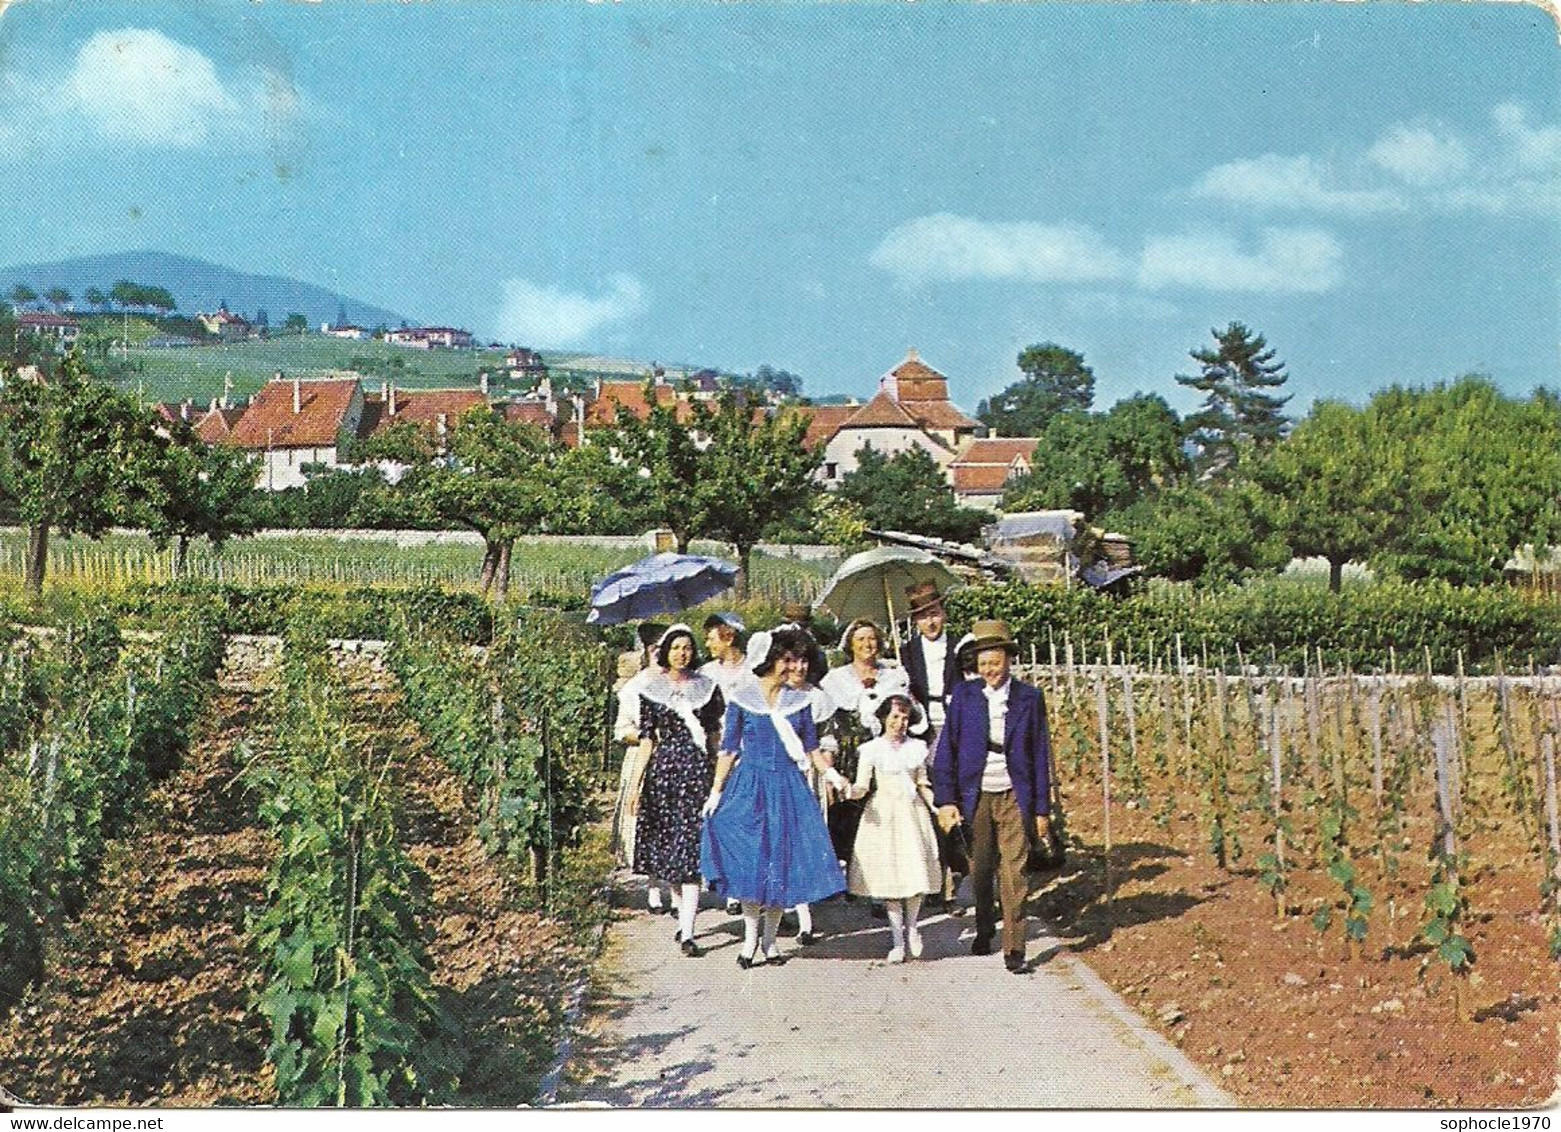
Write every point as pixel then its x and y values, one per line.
pixel 1536 148
pixel 1301 183
pixel 1419 155
pixel 545 316
pixel 137 85
pixel 1286 261
pixel 944 247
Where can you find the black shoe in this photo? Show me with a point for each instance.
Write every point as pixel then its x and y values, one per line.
pixel 691 949
pixel 677 935
pixel 734 907
pixel 1014 961
pixel 982 945
pixel 807 939
pixel 745 961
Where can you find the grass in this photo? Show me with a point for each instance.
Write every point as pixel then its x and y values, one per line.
pixel 538 566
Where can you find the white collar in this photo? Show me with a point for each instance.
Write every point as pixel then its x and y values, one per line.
pixel 1000 692
pixel 694 692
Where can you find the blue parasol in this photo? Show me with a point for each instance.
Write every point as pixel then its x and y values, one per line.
pixel 662 583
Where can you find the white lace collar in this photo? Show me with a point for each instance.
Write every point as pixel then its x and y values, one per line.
pixel 693 693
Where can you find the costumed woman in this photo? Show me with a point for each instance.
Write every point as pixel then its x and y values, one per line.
pixel 806 679
pixel 764 841
pixel 727 664
pixel 626 730
pixel 865 674
pixel 680 712
pixel 895 858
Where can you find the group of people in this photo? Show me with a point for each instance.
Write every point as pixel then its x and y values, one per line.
pixel 777 782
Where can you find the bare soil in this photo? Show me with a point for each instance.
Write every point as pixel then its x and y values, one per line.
pixel 1283 1016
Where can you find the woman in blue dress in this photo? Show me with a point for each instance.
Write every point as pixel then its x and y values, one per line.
pixel 764 841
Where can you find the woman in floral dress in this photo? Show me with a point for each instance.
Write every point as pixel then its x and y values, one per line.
pixel 680 713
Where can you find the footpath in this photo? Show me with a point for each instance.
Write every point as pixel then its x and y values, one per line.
pixel 837 1027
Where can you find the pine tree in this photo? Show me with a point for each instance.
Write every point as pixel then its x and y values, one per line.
pixel 1238 408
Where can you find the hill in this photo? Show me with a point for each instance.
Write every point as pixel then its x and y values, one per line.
pixel 197 286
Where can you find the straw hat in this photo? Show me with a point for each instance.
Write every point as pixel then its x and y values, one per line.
pixel 985 635
pixel 923 598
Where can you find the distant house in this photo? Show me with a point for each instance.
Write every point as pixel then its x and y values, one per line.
pixel 430 338
pixel 292 422
pixel 61 329
pixel 986 465
pixel 226 325
pixel 348 331
pixel 216 424
pixel 524 366
pixel 910 410
pixel 434 411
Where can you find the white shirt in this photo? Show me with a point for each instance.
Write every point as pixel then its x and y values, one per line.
pixel 935 651
pixel 994 776
pixel 626 728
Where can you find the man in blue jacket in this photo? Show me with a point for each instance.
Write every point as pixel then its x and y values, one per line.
pixel 992 770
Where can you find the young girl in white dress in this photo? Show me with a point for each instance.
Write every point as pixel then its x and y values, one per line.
pixel 895 857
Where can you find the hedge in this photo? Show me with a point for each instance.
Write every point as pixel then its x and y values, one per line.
pixel 1364 628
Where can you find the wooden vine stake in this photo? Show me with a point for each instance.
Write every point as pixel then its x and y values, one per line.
pixel 1376 743
pixel 1548 749
pixel 1277 788
pixel 1441 744
pixel 1103 711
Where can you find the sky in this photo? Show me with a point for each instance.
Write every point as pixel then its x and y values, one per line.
pixel 1375 187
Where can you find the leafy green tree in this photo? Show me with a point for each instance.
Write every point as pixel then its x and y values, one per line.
pixel 76 456
pixel 1483 473
pixel 909 492
pixel 1336 487
pixel 757 475
pixel 1210 533
pixel 1056 380
pixel 131 294
pixel 296 323
pixel 668 454
pixel 22 294
pixel 96 299
pixel 200 491
pixel 1238 408
pixel 1099 462
pixel 57 297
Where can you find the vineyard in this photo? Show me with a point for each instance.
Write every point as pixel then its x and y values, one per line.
pixel 285 870
pixel 272 887
pixel 1329 889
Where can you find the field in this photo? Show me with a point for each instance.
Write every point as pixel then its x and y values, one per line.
pixel 1330 891
pixel 553 567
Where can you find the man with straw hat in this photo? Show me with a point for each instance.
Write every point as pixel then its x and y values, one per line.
pixel 992 770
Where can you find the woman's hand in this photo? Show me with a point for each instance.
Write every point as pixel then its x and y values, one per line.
pixel 948 817
pixel 710 805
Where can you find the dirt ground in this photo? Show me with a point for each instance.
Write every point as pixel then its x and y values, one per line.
pixel 1284 1017
pixel 149 995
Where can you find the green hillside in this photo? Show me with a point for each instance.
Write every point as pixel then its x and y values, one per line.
pixel 197 372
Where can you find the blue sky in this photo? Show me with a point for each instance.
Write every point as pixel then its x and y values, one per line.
pixel 1375 188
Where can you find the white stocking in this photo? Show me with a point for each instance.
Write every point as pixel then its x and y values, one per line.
pixel 750 932
pixel 804 919
pixel 771 926
pixel 653 896
pixel 896 912
pixel 688 908
pixel 672 896
pixel 912 911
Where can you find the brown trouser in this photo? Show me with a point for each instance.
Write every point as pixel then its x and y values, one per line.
pixel 999 845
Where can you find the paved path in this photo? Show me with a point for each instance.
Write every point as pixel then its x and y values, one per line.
pixel 837 1027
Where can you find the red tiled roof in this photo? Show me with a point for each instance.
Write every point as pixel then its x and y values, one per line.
pixel 34 318
pixel 980 478
pixel 216 425
pixel 823 421
pixel 424 406
pixel 531 412
pixel 997 450
pixel 270 422
pixel 882 411
pixel 629 396
pixel 915 370
pixel 939 414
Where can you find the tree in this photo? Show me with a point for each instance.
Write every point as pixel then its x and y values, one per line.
pixel 96 299
pixel 1336 487
pixel 130 294
pixel 1099 462
pixel 58 297
pixel 296 323
pixel 757 475
pixel 202 491
pixel 1056 380
pixel 1237 408
pixel 1211 533
pixel 667 454
pixel 22 294
pixel 75 457
pixel 496 477
pixel 908 492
